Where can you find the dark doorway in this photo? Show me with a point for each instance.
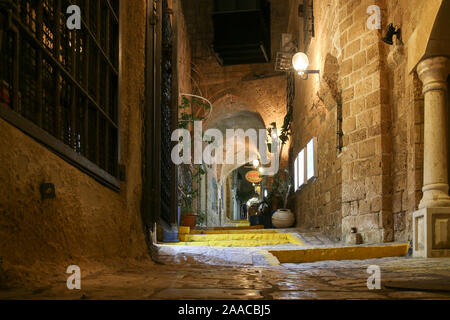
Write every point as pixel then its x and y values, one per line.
pixel 158 196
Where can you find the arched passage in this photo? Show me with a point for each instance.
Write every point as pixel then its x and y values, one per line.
pixel 237 116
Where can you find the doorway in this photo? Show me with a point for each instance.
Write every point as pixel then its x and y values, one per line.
pixel 159 195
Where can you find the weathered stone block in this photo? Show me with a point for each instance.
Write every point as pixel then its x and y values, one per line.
pixel 352 48
pixel 376 204
pixel 367 148
pixel 374 186
pixel 358 136
pixel 357 105
pixel 346 23
pixel 349 124
pixel 355 77
pixel 350 153
pixel 364 119
pixel 348 94
pixel 361 169
pixel 346 209
pixel 373 236
pixel 346 67
pixel 353 191
pixel 373 52
pixel 359 60
pixel 397 202
pixel 364 206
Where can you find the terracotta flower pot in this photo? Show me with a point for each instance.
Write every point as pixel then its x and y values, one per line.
pixel 283 218
pixel 189 220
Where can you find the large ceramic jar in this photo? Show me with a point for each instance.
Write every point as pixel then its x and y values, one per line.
pixel 283 218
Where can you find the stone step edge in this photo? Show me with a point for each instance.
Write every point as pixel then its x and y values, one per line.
pixel 341 253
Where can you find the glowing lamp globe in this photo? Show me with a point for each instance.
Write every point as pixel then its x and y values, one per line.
pixel 300 61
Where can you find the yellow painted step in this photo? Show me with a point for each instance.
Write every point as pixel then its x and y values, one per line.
pixel 239 228
pixel 232 243
pixel 242 223
pixel 243 240
pixel 184 230
pixel 234 231
pixel 341 253
pixel 233 236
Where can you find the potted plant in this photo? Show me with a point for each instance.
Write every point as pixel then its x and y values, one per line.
pixel 189 186
pixel 189 193
pixel 281 188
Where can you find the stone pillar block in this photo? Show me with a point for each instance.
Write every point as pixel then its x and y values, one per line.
pixel 431 232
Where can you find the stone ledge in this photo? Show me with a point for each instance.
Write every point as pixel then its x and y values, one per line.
pixel 341 253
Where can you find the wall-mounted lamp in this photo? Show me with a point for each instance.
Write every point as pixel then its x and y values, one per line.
pixel 390 32
pixel 300 62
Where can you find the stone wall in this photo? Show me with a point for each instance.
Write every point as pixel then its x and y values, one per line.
pixel 86 221
pixel 375 183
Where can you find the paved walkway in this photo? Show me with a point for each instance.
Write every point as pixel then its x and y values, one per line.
pixel 401 278
pixel 189 272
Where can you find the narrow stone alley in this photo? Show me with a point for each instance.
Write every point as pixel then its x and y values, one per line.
pixel 225 150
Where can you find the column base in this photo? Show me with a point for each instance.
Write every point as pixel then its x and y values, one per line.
pixel 431 232
pixel 435 196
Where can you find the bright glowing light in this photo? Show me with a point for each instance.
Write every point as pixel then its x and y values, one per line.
pixel 310 159
pixel 265 193
pixel 300 61
pixel 261 170
pixel 256 163
pixel 296 174
pixel 301 168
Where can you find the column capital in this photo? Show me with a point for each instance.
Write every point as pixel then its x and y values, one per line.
pixel 433 73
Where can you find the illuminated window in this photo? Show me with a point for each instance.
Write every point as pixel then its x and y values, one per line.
pixel 311 159
pixel 296 185
pixel 301 168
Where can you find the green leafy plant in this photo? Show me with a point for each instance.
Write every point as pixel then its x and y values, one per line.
pixel 189 111
pixel 281 188
pixel 201 217
pixel 187 114
pixel 190 192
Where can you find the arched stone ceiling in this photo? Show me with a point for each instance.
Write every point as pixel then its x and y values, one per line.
pixel 240 119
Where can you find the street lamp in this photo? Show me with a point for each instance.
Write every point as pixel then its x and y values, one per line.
pixel 300 62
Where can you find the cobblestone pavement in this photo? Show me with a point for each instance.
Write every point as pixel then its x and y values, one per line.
pixel 401 278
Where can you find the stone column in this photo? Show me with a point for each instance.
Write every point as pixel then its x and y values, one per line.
pixel 431 223
pixel 433 73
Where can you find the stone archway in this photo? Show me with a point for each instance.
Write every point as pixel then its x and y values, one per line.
pixel 234 116
pixel 430 37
